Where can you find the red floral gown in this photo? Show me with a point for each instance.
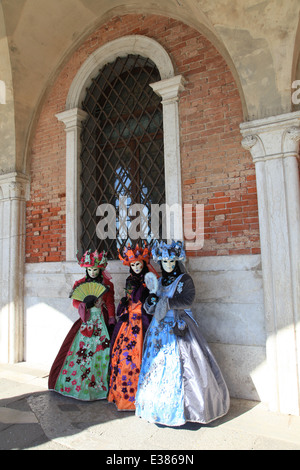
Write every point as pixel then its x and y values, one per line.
pixel 80 369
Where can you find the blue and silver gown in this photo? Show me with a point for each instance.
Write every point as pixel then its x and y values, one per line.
pixel 180 379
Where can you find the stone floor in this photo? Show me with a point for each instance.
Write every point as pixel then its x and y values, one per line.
pixel 33 418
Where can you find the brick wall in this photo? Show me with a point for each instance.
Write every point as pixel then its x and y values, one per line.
pixel 216 170
pixel 45 221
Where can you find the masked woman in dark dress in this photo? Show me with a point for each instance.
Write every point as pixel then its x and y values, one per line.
pixel 180 379
pixel 129 332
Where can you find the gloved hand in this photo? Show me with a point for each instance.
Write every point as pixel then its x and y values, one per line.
pixel 180 328
pixel 124 300
pixel 152 299
pixel 90 303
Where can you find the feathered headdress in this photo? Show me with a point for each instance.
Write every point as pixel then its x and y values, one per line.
pixel 95 259
pixel 174 251
pixel 131 255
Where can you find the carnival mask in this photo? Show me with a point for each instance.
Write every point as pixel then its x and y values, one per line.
pixel 168 265
pixel 93 272
pixel 137 267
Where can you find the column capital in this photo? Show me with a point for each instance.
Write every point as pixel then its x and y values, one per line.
pixel 272 137
pixel 14 185
pixel 72 117
pixel 169 88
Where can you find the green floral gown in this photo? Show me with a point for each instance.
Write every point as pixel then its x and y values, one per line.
pixel 85 370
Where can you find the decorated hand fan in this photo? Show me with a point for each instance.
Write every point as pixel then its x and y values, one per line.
pixel 88 291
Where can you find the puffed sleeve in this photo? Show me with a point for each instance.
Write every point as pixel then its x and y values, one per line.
pixel 184 294
pixel 150 309
pixel 183 298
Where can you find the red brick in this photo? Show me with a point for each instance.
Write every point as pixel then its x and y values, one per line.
pixel 215 168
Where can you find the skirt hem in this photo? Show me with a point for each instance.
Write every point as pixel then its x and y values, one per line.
pixel 185 422
pixel 75 398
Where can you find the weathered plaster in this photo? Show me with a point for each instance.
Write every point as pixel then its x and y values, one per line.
pixel 272 28
pixel 254 61
pixel 7 125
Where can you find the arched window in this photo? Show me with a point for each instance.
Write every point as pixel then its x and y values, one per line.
pixel 167 86
pixel 122 152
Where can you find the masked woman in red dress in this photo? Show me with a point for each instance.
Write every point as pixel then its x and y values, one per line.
pixel 80 369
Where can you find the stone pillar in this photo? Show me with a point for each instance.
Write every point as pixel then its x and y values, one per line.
pixel 14 190
pixel 169 90
pixel 274 146
pixel 72 120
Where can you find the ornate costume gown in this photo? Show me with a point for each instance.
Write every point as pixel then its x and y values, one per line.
pixel 80 369
pixel 127 344
pixel 180 380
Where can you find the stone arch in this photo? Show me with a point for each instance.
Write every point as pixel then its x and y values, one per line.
pixel 133 44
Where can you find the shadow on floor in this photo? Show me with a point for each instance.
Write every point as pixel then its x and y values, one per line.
pixel 40 417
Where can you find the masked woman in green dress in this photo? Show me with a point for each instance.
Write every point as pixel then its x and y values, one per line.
pixel 80 369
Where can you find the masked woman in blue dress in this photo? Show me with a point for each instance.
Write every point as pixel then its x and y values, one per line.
pixel 180 379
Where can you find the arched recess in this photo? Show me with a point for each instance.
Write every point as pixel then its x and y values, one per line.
pixel 168 88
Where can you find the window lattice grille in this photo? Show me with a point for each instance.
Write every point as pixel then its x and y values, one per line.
pixel 122 146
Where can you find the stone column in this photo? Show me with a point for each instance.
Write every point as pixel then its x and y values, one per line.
pixel 169 90
pixel 274 146
pixel 14 190
pixel 72 120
